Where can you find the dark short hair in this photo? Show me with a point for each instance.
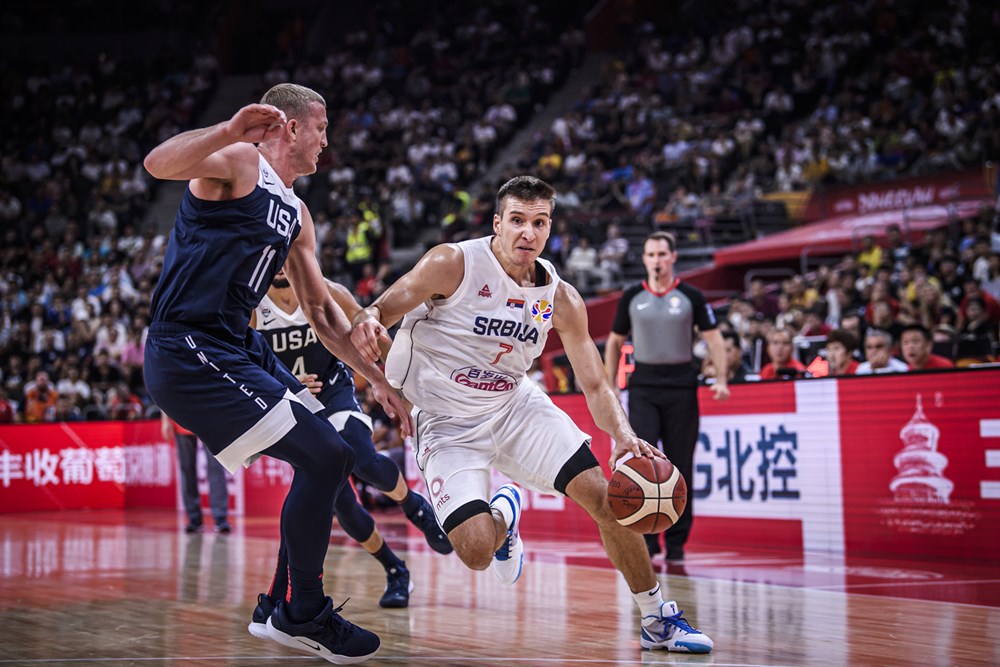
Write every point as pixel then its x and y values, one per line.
pixel 844 337
pixel 916 327
pixel 525 188
pixel 662 236
pixel 733 336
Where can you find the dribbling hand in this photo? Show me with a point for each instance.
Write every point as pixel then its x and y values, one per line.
pixel 636 447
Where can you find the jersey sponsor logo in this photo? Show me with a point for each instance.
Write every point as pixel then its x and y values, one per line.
pixel 295 339
pixel 541 310
pixel 515 303
pixel 491 326
pixel 485 292
pixel 643 306
pixel 483 379
pixel 268 322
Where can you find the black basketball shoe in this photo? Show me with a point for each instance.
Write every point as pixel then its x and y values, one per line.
pixel 329 635
pixel 258 622
pixel 397 588
pixel 423 518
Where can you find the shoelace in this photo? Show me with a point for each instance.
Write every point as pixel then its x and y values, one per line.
pixel 678 621
pixel 340 625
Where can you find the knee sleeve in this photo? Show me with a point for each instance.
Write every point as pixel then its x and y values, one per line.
pixel 353 518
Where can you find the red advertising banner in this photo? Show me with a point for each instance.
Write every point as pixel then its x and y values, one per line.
pixel 76 465
pixel 921 465
pixel 898 195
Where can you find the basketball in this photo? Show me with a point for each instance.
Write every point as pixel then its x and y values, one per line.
pixel 647 495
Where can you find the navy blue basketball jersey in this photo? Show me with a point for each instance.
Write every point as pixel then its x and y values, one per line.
pixel 222 256
pixel 296 345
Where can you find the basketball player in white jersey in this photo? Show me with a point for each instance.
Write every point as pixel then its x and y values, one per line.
pixel 481 312
pixel 281 320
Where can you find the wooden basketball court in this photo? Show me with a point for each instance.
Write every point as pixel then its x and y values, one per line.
pixel 96 588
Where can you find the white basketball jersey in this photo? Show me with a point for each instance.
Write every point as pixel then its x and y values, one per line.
pixel 467 354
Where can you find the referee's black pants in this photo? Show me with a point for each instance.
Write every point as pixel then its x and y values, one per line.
pixel 669 415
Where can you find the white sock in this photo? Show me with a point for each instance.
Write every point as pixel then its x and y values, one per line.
pixel 506 511
pixel 649 601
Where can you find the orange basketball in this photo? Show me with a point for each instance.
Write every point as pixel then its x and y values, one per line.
pixel 647 495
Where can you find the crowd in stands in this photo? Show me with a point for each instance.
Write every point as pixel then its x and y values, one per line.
pixel 687 128
pixel 687 125
pixel 891 309
pixel 419 105
pixel 75 274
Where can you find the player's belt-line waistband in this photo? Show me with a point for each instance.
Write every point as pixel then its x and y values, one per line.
pixel 174 328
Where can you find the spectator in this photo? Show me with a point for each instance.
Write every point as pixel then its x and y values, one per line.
pixel 8 413
pixel 916 342
pixel 40 400
pixel 581 265
pixel 611 255
pixel 779 350
pixel 878 350
pixel 871 254
pixel 899 250
pixel 840 346
pixel 763 303
pixel 737 369
pixel 991 284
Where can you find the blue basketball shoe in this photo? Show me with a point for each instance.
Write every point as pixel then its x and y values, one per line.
pixel 669 630
pixel 509 558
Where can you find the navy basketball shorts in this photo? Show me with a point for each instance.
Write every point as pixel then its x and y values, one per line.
pixel 236 399
pixel 340 402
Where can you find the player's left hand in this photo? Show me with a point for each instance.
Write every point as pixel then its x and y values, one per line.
pixel 312 382
pixel 393 405
pixel 720 391
pixel 636 447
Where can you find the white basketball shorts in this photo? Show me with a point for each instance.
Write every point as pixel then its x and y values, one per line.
pixel 529 440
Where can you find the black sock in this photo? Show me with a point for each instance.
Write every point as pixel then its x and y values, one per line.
pixel 412 503
pixel 388 559
pixel 279 585
pixel 307 595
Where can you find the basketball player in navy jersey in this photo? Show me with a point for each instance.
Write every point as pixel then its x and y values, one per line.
pixel 483 311
pixel 284 326
pixel 239 221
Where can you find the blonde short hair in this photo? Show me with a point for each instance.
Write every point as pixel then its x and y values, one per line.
pixel 292 98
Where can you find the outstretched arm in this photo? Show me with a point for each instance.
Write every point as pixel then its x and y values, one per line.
pixel 328 320
pixel 570 320
pixel 436 276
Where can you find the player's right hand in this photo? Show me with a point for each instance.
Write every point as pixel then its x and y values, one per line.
pixel 366 336
pixel 255 123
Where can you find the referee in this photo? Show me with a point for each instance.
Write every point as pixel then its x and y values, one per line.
pixel 661 314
